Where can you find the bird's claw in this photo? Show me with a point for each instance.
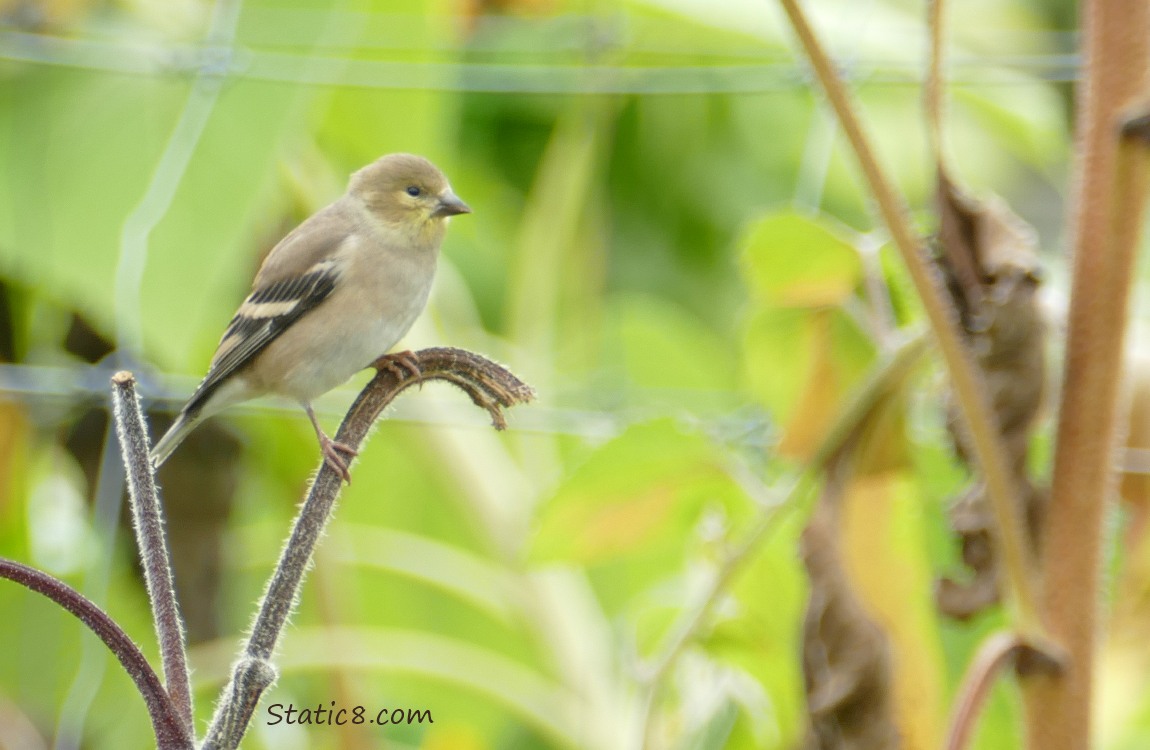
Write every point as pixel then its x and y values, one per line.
pixel 401 364
pixel 334 453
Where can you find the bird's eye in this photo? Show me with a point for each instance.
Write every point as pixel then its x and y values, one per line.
pixel 413 191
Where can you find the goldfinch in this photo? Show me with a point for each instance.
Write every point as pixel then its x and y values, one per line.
pixel 332 297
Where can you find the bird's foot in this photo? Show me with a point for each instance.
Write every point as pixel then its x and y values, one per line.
pixel 401 364
pixel 337 455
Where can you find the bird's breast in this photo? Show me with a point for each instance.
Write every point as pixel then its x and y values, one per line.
pixel 378 298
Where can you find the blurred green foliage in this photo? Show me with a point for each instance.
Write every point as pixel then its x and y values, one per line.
pixel 669 242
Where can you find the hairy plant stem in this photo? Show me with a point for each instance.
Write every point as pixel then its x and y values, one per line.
pixel 489 386
pixel 932 93
pixel 1111 191
pixel 148 521
pixel 170 728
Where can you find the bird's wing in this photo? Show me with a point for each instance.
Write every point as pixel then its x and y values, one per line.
pixel 266 313
pixel 313 241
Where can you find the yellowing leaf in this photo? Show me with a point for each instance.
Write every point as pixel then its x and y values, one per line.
pixel 817 403
pixel 615 524
pixel 791 260
pixel 881 538
pixel 644 489
pixel 801 365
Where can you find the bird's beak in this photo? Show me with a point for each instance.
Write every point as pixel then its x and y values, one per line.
pixel 450 204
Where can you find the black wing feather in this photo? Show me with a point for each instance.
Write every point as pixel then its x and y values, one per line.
pixel 307 291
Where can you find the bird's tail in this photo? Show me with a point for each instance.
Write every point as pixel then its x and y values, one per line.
pixel 173 437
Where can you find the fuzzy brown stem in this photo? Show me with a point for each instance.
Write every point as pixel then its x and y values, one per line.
pixel 488 385
pixel 932 93
pixel 168 725
pixel 1111 194
pixel 148 522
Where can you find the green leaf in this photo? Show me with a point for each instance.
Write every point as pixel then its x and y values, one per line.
pixel 759 632
pixel 463 574
pixel 643 490
pixel 791 260
pixel 801 365
pixel 663 346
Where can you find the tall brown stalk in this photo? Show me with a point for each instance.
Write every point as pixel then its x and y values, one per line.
pixel 1110 180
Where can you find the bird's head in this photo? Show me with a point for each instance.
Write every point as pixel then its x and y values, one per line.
pixel 407 192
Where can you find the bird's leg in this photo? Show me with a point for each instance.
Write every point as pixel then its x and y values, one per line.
pixel 401 364
pixel 335 454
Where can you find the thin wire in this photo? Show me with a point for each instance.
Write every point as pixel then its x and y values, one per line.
pixel 89 384
pixel 564 32
pixel 167 177
pixel 281 27
pixel 223 61
pixel 822 135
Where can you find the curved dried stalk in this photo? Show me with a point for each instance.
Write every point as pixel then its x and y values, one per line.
pixel 171 732
pixel 487 384
pixel 998 652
